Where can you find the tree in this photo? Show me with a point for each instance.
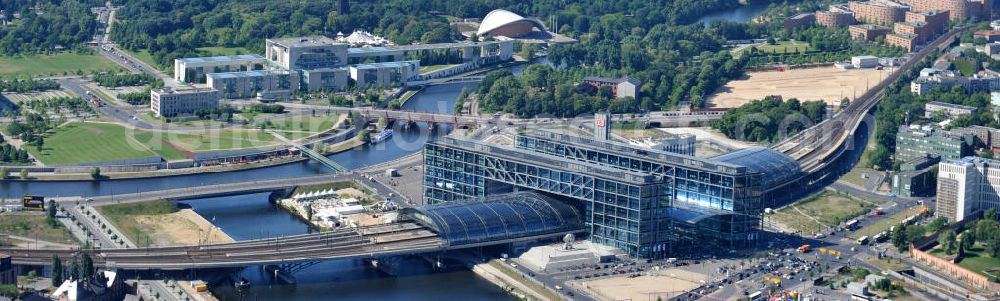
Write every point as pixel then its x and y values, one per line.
pixel 74 270
pixel 937 224
pixel 57 271
pixel 3 173
pixel 364 135
pixel 990 214
pixel 947 241
pixel 95 173
pixel 24 174
pixel 87 266
pixel 309 212
pixel 899 238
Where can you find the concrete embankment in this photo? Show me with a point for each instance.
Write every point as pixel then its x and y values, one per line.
pixel 513 282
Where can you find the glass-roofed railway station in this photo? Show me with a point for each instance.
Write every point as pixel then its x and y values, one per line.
pixel 648 203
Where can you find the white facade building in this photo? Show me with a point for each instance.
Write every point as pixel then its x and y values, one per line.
pixel 194 70
pixel 171 102
pixel 967 186
pixel 865 61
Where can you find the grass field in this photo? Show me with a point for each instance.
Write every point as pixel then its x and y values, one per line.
pixel 819 211
pixel 883 224
pixel 44 65
pixel 124 217
pixel 157 145
pixel 88 142
pixel 218 51
pixel 968 68
pixel 33 225
pixel 975 260
pixel 427 69
pixel 221 139
pixel 312 124
pixel 144 56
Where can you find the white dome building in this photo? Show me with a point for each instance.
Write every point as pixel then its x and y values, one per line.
pixel 501 22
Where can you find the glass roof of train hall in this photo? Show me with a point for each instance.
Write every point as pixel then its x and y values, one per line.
pixel 496 218
pixel 776 168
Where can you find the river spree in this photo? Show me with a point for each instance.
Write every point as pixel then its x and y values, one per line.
pixel 740 14
pixel 440 98
pixel 251 216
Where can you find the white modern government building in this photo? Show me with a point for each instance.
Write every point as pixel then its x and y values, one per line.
pixel 967 186
pixel 313 63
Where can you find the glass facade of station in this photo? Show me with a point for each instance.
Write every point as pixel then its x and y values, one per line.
pixel 652 204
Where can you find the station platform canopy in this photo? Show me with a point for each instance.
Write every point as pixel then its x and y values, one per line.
pixel 497 218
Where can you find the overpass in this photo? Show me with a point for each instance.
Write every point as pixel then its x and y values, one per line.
pixel 661 117
pixel 817 147
pixel 502 219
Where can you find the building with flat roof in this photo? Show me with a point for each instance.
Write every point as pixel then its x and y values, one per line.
pixel 648 203
pixel 865 61
pixel 951 110
pixel 915 177
pixel 990 35
pixel 246 84
pixel 837 16
pixel 935 22
pixel 967 186
pixel 308 52
pixel 194 70
pixel 986 137
pixel 799 21
pixel 173 102
pixel 905 41
pixel 918 141
pixel 958 9
pixel 384 74
pixel 621 87
pixel 867 32
pixel 881 12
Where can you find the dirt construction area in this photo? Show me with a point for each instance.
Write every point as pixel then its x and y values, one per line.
pixel 661 285
pixel 821 83
pixel 184 227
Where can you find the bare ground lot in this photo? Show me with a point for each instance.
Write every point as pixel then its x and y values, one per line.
pixel 662 285
pixel 822 83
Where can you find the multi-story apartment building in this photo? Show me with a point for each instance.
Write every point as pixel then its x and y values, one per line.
pixel 935 21
pixel 958 9
pixel 799 21
pixel 951 110
pixel 867 32
pixel 838 15
pixel 919 141
pixel 986 137
pixel 881 12
pixel 967 186
pixel 906 41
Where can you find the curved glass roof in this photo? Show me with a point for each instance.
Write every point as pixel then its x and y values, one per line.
pixel 500 217
pixel 776 168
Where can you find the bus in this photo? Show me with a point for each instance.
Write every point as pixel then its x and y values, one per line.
pixel 804 248
pixel 851 224
pixel 863 240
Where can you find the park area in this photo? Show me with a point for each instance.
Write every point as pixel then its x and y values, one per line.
pixel 56 64
pixel 32 225
pixel 78 142
pixel 818 212
pixel 976 259
pixel 820 83
pixel 161 223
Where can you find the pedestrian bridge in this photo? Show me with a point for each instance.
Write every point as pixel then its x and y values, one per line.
pixel 517 217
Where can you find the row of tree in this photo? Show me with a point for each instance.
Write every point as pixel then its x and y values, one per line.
pixel 27 85
pixel 10 154
pixel 113 80
pixel 135 98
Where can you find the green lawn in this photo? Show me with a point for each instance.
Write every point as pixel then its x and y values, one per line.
pixel 144 56
pixel 427 69
pixel 33 225
pixel 221 139
pixel 88 142
pixel 884 224
pixel 312 124
pixel 968 68
pixel 975 259
pixel 123 217
pixel 57 64
pixel 156 143
pixel 219 51
pixel 819 211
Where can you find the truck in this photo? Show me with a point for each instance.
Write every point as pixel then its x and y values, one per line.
pixel 863 240
pixel 851 225
pixel 804 248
